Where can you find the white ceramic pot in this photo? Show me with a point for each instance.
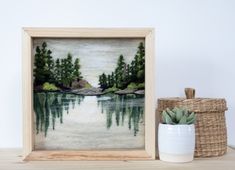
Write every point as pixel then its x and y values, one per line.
pixel 176 143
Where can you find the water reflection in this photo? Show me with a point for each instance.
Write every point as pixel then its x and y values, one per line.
pixel 52 104
pixel 122 107
pixel 49 107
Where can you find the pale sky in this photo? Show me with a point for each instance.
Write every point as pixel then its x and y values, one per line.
pixel 96 55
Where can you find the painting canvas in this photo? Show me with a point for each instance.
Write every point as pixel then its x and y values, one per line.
pixel 88 93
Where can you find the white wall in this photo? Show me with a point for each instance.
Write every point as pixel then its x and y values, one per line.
pixel 194 46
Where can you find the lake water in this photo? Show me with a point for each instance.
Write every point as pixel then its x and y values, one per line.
pixel 69 121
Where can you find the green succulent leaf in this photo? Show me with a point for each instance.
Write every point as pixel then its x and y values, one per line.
pixel 192 121
pixel 183 120
pixel 175 109
pixel 166 118
pixel 191 116
pixel 186 112
pixel 171 113
pixel 179 114
pixel 163 116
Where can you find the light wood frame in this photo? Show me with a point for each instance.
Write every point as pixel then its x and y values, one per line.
pixel 149 152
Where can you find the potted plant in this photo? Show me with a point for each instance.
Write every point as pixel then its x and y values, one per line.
pixel 176 135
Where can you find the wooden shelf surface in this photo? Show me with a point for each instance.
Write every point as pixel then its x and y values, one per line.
pixel 11 159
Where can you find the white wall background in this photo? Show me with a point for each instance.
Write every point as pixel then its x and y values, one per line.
pixel 195 46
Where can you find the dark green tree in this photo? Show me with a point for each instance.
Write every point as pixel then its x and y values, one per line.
pixel 133 71
pixel 121 64
pixel 64 72
pixel 77 75
pixel 116 77
pixel 140 63
pixel 128 74
pixel 70 68
pixel 105 84
pixel 103 81
pixel 125 74
pixel 39 64
pixel 49 67
pixel 67 71
pixel 112 80
pixel 57 71
pixel 109 83
pixel 120 73
pixel 43 65
pixel 137 68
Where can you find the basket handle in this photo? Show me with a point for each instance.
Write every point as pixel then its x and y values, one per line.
pixel 190 93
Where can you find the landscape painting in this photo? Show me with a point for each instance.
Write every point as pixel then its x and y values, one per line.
pixel 89 93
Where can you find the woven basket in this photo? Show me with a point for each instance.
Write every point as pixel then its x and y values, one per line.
pixel 211 133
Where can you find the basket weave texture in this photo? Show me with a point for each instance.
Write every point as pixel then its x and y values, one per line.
pixel 210 126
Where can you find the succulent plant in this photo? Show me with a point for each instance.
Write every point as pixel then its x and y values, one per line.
pixel 178 116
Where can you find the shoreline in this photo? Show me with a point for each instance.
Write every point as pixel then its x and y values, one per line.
pixel 118 92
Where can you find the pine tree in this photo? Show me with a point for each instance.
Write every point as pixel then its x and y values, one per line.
pixel 112 79
pixel 137 68
pixel 140 63
pixel 49 67
pixel 120 72
pixel 105 84
pixel 124 77
pixel 77 74
pixel 100 80
pixel 63 72
pixel 133 71
pixel 44 65
pixel 58 72
pixel 116 77
pixel 70 68
pixel 125 74
pixel 109 82
pixel 39 64
pixel 121 63
pixel 103 81
pixel 67 71
pixel 128 74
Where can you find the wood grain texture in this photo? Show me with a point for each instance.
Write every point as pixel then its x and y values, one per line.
pixel 88 155
pixel 189 93
pixel 11 159
pixel 88 32
pixel 27 94
pixel 150 126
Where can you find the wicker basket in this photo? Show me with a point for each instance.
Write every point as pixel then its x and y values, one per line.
pixel 211 133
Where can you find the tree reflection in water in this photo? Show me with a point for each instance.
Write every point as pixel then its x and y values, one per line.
pixel 50 106
pixel 128 107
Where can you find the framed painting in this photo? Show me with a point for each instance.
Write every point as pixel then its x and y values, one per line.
pixel 88 94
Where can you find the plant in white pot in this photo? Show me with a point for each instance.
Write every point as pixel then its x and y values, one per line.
pixel 176 135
